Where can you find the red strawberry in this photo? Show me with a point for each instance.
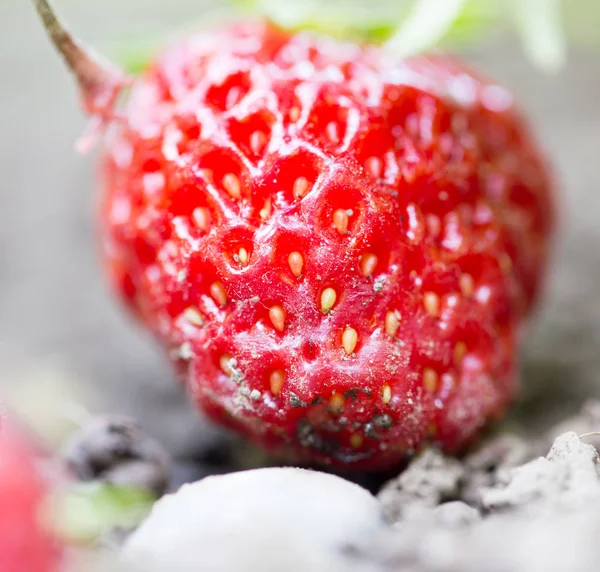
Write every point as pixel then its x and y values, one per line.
pixel 336 247
pixel 25 545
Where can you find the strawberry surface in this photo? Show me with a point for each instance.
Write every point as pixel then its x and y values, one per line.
pixel 336 247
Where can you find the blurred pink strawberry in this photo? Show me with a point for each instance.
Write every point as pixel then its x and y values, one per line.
pixel 25 544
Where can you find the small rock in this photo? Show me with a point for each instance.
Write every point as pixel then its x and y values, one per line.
pixel 114 449
pixel 430 479
pixel 265 519
pixel 503 451
pixel 456 514
pixel 586 421
pixel 494 456
pixel 566 476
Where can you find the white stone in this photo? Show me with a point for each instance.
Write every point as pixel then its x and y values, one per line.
pixel 263 520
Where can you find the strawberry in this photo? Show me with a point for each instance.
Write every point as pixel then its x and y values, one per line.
pixel 337 248
pixel 25 545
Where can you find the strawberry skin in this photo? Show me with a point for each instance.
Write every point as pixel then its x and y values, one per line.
pixel 336 248
pixel 25 546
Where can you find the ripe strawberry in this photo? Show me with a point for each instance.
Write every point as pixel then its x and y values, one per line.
pixel 336 247
pixel 25 546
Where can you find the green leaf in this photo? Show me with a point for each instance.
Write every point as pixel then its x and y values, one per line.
pixel 410 26
pixel 426 24
pixel 135 57
pixel 89 510
pixel 345 19
pixel 475 21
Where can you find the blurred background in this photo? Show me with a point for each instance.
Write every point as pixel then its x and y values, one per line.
pixel 62 334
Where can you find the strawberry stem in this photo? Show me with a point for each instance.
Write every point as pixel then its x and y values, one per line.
pixel 99 81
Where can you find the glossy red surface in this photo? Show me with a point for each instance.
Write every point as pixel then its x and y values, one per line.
pixel 335 247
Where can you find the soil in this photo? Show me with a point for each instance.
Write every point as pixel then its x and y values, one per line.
pixel 542 515
pixel 509 507
pixel 502 508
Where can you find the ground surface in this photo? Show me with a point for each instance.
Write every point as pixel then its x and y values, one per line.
pixel 54 308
